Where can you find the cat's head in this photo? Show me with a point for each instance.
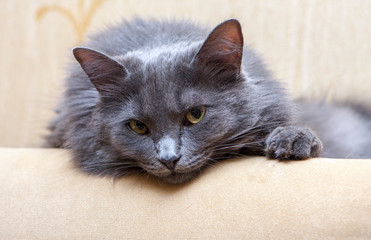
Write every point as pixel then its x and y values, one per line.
pixel 171 110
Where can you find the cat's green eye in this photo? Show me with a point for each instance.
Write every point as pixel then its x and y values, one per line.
pixel 195 115
pixel 138 127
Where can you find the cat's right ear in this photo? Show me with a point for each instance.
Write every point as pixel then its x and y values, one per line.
pixel 103 71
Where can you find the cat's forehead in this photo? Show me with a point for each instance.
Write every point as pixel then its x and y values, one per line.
pixel 163 79
pixel 164 53
pixel 155 96
pixel 154 100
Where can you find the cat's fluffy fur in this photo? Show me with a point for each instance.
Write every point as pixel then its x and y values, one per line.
pixel 156 71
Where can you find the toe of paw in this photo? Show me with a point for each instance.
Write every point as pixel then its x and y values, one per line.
pixel 316 148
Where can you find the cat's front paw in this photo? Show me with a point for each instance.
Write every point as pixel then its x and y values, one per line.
pixel 293 143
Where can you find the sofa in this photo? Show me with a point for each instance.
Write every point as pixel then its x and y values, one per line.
pixel 44 197
pixel 318 49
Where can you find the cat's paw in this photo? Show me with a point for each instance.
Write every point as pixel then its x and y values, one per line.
pixel 293 143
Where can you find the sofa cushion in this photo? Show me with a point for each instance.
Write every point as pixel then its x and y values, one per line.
pixel 42 196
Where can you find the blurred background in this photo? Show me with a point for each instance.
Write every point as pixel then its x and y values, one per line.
pixel 320 49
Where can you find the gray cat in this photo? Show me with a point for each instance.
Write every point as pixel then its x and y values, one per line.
pixel 169 98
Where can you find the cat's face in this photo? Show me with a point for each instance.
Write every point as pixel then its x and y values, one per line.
pixel 170 124
pixel 172 112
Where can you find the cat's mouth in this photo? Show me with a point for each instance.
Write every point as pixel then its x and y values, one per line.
pixel 180 174
pixel 178 177
pixel 175 176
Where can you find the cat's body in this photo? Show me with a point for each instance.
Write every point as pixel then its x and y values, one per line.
pixel 344 128
pixel 168 98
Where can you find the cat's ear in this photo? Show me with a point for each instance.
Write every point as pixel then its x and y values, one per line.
pixel 103 71
pixel 223 47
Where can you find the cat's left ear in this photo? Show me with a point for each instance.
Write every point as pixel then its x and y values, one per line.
pixel 103 71
pixel 223 47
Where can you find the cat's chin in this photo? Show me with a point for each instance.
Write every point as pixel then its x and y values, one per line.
pixel 179 178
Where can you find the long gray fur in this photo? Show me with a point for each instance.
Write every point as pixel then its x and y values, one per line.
pixel 248 112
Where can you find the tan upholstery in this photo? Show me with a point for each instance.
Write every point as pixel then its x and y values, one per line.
pixel 43 197
pixel 317 48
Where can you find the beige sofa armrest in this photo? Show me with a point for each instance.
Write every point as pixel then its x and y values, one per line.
pixel 43 197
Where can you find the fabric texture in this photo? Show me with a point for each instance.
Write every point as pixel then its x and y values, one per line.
pixel 44 197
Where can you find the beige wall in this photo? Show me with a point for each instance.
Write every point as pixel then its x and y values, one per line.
pixel 319 48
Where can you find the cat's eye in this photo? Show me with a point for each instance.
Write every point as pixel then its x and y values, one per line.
pixel 138 127
pixel 195 115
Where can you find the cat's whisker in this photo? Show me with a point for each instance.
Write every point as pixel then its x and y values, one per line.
pixel 238 144
pixel 252 130
pixel 112 166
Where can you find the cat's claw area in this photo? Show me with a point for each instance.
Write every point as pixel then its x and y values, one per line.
pixel 293 143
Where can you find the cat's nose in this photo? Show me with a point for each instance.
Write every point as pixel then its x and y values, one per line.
pixel 170 161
